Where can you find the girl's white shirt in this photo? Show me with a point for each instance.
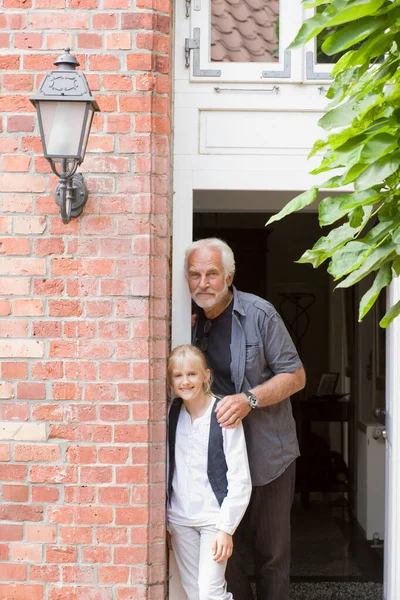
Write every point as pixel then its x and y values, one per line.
pixel 193 501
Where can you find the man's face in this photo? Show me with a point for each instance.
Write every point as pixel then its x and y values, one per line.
pixel 208 284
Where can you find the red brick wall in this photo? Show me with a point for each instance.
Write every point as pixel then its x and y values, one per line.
pixel 84 310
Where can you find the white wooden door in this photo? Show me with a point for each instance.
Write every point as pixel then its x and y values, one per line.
pixel 392 513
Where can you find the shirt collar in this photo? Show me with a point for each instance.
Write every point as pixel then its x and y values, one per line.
pixel 237 304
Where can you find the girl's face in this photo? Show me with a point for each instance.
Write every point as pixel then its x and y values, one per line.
pixel 187 380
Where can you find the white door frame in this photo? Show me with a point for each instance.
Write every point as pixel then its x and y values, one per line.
pixel 392 509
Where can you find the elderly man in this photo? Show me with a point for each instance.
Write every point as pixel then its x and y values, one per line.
pixel 255 367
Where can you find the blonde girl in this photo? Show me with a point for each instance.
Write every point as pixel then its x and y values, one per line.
pixel 209 482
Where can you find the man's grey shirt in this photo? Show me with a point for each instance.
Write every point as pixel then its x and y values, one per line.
pixel 261 347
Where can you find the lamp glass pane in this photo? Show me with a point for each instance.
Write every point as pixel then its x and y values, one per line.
pixel 62 127
pixel 87 131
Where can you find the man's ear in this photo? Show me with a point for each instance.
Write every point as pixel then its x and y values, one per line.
pixel 229 280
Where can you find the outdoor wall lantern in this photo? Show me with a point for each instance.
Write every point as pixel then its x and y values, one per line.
pixel 65 109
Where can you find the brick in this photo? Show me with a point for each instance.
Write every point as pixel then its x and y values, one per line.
pixel 46 247
pixel 140 62
pixel 23 183
pixel 20 122
pixel 41 573
pixel 104 62
pixel 20 512
pixel 61 554
pixel 22 266
pixel 59 41
pixel 13 328
pixel 4 452
pixel 79 495
pixel 14 591
pixel 35 452
pixel 15 286
pixel 12 572
pixel 40 533
pixel 31 391
pixel 114 574
pixel 10 532
pixel 118 41
pixel 99 143
pixel 99 392
pixel 44 494
pixel 89 40
pixel 14 370
pixel 81 454
pixel 76 535
pixel 15 246
pixel 65 308
pixel 17 203
pixel 9 61
pixel 104 21
pixel 113 455
pixel 5 308
pixel 27 40
pixel 48 287
pixel 6 389
pixel 15 493
pixel 137 20
pixel 59 21
pixel 22 431
pixel 117 82
pixel 46 329
pixel 74 574
pixel 59 474
pixel 15 411
pixel 113 495
pixel 48 370
pixel 31 308
pixel 4 40
pixel 95 474
pixel 66 391
pixel 112 535
pixel 96 555
pixel 26 553
pixel 81 592
pixel 29 225
pixel 118 123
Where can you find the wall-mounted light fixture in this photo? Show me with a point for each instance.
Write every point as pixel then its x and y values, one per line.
pixel 65 109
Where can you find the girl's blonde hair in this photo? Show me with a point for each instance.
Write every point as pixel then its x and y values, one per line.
pixel 186 352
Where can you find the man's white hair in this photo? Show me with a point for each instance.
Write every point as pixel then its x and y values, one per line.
pixel 227 257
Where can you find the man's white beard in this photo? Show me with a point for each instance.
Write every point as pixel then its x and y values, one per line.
pixel 212 300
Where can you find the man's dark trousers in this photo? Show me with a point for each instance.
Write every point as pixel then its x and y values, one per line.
pixel 267 526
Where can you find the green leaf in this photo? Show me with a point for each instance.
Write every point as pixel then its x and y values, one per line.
pixel 330 209
pixel 360 198
pixel 348 258
pixel 378 171
pixel 351 35
pixel 296 204
pixel 391 314
pixel 356 217
pixel 327 245
pixel 396 266
pixel 356 10
pixel 377 146
pixel 372 262
pixel 310 28
pixel 383 279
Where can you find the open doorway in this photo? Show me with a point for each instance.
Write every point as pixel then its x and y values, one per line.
pixel 337 518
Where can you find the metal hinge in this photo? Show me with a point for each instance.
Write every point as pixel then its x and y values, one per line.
pixel 187 8
pixel 190 44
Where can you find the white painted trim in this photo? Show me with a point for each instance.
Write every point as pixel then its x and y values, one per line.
pixel 392 517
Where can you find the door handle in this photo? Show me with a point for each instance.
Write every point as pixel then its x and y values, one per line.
pixel 379 433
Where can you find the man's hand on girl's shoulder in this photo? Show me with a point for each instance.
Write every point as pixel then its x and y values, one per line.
pixel 222 546
pixel 231 410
